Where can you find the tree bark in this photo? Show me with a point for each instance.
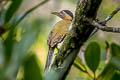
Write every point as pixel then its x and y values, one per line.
pixel 80 32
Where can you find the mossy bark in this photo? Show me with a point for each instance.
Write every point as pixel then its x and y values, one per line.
pixel 80 32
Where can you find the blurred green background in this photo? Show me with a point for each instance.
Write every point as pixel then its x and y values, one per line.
pixel 43 18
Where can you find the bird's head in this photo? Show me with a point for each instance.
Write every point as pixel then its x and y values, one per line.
pixel 64 14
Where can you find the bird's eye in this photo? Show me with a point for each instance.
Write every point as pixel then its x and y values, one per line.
pixel 61 14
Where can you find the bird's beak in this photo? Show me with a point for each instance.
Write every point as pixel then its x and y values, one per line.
pixel 55 13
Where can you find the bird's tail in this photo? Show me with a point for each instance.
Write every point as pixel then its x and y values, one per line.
pixel 49 58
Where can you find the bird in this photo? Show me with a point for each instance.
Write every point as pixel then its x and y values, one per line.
pixel 58 33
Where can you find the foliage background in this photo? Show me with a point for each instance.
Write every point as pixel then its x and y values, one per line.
pixel 43 19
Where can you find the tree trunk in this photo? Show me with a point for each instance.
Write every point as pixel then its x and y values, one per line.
pixel 80 32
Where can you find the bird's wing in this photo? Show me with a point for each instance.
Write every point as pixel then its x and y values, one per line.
pixel 58 33
pixel 57 40
pixel 50 37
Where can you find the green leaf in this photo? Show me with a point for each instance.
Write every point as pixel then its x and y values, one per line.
pixel 114 63
pixel 108 72
pixel 32 69
pixel 115 50
pixel 1 55
pixel 116 76
pixel 29 11
pixel 21 48
pixel 12 9
pixel 79 65
pixel 92 55
pixel 2 16
pixel 8 45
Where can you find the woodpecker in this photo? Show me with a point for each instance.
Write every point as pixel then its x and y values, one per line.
pixel 58 33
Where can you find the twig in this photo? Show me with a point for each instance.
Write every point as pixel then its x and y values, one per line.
pixel 79 68
pixel 94 31
pixel 107 52
pixel 102 23
pixel 110 16
pixel 105 28
pixel 29 11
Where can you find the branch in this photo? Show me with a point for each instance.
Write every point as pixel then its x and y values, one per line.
pixel 29 11
pixel 101 24
pixel 111 15
pixel 105 28
pixel 77 36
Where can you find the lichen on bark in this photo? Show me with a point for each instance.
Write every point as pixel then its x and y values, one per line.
pixel 80 32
